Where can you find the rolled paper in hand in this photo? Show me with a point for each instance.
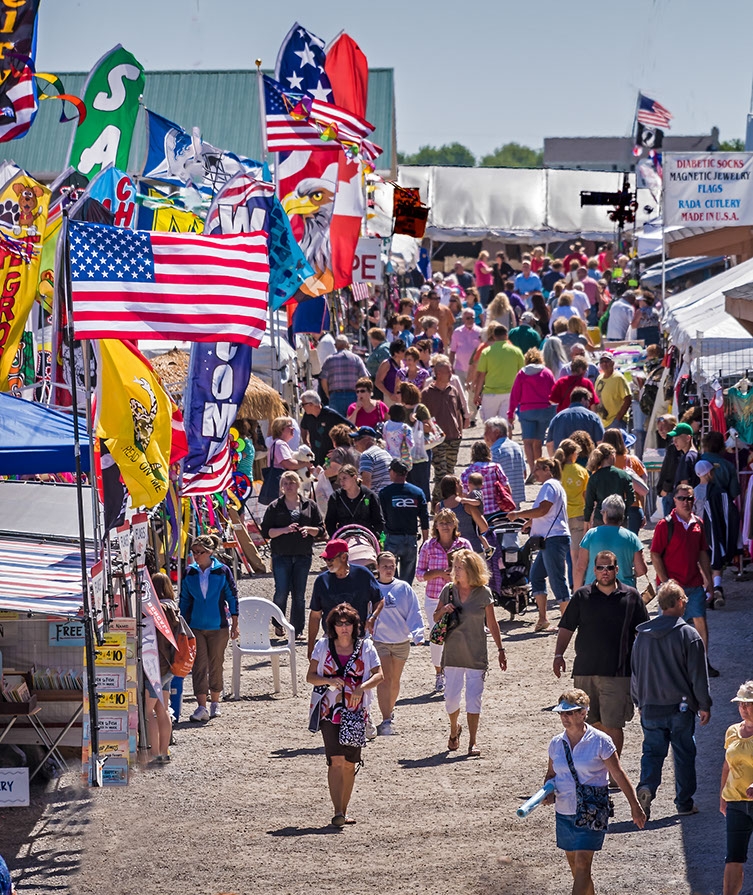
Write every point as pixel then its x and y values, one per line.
pixel 536 799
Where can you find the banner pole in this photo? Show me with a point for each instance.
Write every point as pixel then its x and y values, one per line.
pixel 663 235
pixel 262 110
pixel 89 621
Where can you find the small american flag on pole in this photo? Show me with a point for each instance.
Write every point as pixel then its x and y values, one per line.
pixel 360 291
pixel 652 114
pixel 130 284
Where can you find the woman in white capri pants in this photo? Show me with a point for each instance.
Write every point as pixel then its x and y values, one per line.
pixel 464 658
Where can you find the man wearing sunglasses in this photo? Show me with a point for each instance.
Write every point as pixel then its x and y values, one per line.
pixel 680 551
pixel 605 614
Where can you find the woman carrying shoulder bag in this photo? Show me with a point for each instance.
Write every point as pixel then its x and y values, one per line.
pixel 581 758
pixel 344 669
pixel 464 658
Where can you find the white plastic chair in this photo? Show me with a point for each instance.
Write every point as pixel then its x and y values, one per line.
pixel 254 615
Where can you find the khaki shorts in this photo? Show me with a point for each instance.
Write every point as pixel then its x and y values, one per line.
pixel 396 650
pixel 611 704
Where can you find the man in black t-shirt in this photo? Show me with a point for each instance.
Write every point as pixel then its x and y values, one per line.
pixel 316 423
pixel 342 583
pixel 605 615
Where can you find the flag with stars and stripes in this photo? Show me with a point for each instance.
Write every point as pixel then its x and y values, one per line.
pixel 652 113
pixel 288 130
pixel 128 284
pixel 306 173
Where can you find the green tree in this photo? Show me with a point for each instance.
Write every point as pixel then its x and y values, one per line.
pixel 735 145
pixel 513 155
pixel 452 154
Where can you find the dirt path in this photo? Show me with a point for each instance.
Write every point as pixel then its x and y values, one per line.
pixel 243 806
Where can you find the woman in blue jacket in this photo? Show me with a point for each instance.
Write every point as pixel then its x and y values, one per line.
pixel 207 594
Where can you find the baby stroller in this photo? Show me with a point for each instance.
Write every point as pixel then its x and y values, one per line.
pixel 509 565
pixel 363 547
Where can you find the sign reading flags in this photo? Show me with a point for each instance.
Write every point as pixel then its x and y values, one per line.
pixel 111 96
pixel 710 189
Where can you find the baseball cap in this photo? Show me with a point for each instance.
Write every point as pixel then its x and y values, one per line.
pixel 681 429
pixel 565 706
pixel 703 467
pixel 608 356
pixel 425 289
pixel 363 432
pixel 438 277
pixel 334 548
pixel 399 467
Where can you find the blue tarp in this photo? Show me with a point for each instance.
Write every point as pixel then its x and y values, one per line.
pixel 35 439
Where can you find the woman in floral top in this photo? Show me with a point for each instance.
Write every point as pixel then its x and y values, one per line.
pixel 343 650
pixel 434 567
pixel 413 371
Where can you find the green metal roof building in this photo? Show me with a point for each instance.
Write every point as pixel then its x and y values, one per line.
pixel 224 105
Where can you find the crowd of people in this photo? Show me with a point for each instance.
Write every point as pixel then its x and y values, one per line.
pixel 376 446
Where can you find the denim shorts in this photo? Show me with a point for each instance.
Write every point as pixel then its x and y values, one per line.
pixel 534 423
pixel 572 838
pixel 696 607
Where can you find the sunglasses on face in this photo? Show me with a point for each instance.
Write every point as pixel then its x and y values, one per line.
pixel 685 497
pixel 605 568
pixel 343 624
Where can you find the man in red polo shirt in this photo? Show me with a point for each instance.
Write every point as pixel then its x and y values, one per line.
pixel 679 551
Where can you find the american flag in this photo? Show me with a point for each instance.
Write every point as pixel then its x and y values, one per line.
pixel 130 284
pixel 652 113
pixel 360 291
pixel 216 475
pixel 286 133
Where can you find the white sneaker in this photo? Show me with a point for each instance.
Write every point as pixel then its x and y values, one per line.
pixel 214 711
pixel 201 714
pixel 439 683
pixel 385 729
pixel 371 731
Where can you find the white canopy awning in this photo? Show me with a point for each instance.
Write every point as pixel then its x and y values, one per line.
pixel 516 204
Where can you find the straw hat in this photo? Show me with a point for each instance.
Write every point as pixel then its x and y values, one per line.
pixel 745 693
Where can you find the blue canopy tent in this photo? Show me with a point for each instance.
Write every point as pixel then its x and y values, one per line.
pixel 35 439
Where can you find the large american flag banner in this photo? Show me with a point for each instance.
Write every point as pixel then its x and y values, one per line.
pixel 134 284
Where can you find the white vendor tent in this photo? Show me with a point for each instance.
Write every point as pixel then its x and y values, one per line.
pixel 516 204
pixel 705 333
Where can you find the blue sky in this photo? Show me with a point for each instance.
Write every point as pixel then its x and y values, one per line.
pixel 481 72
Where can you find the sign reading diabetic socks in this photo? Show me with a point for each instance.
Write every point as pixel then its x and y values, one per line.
pixel 708 188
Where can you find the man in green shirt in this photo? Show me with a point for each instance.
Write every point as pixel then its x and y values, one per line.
pixel 497 368
pixel 526 335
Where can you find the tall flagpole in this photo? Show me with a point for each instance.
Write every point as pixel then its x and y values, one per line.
pixel 274 340
pixel 89 620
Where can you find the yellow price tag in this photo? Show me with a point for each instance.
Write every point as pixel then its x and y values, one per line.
pixel 117 699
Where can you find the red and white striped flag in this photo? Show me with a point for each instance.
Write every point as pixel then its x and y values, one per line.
pixel 317 124
pixel 133 284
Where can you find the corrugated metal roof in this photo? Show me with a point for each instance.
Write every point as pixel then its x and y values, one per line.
pixel 224 105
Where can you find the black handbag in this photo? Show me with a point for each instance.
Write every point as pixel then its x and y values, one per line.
pixel 270 489
pixel 592 802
